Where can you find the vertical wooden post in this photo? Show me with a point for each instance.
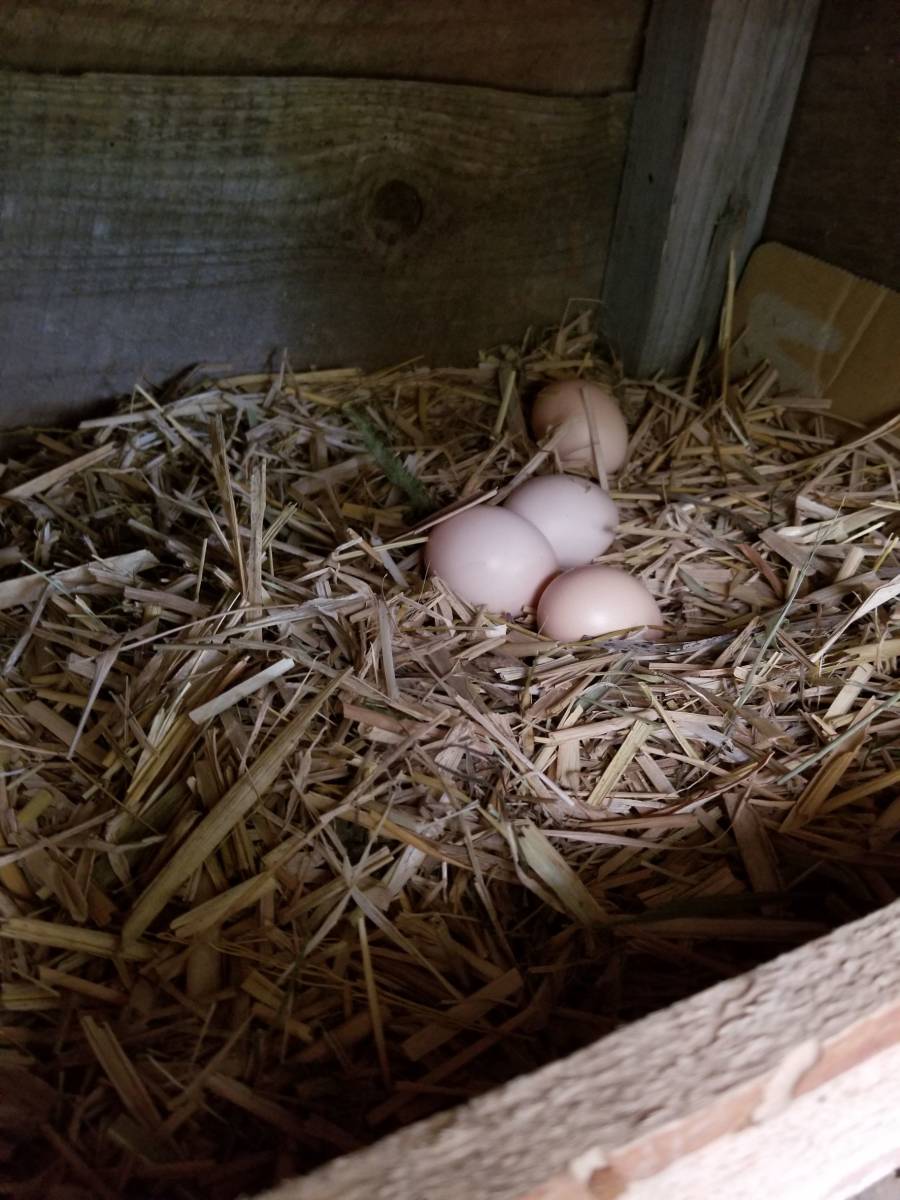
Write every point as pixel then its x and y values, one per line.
pixel 715 96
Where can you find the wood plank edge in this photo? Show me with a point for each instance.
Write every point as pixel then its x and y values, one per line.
pixel 842 1040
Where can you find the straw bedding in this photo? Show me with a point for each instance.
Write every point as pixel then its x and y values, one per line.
pixel 295 847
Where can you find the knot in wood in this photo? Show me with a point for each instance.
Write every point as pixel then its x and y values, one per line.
pixel 395 211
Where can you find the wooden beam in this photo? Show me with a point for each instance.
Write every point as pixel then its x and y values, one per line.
pixel 715 95
pixel 571 47
pixel 150 223
pixel 784 1082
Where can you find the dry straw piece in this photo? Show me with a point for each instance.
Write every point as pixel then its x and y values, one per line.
pixel 296 847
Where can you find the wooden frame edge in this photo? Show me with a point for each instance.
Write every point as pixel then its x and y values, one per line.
pixel 663 1106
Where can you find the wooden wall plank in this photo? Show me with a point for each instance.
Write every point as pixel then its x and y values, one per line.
pixel 569 46
pixel 150 223
pixel 715 95
pixel 784 1082
pixel 837 188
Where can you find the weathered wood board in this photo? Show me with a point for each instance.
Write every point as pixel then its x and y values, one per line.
pixel 782 1083
pixel 149 223
pixel 569 46
pixel 837 188
pixel 715 96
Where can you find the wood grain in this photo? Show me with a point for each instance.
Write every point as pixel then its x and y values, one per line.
pixel 570 46
pixel 836 192
pixel 784 1082
pixel 715 96
pixel 150 223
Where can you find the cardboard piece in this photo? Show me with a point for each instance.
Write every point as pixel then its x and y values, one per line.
pixel 826 332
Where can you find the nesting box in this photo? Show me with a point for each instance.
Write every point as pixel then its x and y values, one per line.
pixel 314 877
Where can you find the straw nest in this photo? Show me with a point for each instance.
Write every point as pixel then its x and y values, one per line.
pixel 296 847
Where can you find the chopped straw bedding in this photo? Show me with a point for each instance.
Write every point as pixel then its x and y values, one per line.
pixel 296 848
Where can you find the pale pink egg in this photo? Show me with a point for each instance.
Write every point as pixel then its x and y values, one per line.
pixel 596 602
pixel 492 557
pixel 577 517
pixel 564 404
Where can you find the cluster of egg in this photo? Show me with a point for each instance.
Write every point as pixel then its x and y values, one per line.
pixel 537 549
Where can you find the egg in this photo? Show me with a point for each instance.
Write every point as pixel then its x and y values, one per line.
pixel 492 557
pixel 596 601
pixel 564 403
pixel 577 517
